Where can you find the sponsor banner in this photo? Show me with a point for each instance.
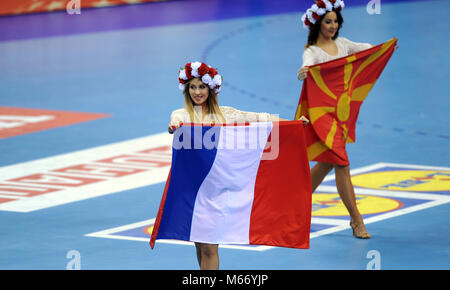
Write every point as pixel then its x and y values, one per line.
pixel 400 178
pixel 33 6
pixel 84 174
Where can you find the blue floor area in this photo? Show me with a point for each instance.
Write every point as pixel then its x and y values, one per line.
pixel 130 72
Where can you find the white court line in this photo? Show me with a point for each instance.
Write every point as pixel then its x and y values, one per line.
pixel 340 225
pixel 105 185
pixel 413 166
pixel 109 234
pixel 378 192
pixel 380 165
pixel 328 221
pixel 380 217
pixel 391 193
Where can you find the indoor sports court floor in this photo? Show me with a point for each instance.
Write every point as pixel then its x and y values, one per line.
pixel 92 91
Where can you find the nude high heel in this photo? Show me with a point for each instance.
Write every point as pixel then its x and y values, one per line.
pixel 359 230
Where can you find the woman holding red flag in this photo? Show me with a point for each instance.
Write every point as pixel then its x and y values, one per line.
pixel 201 85
pixel 324 20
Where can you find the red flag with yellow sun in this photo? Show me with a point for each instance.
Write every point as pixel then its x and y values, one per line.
pixel 331 97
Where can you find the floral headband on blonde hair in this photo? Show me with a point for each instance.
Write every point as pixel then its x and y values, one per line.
pixel 207 74
pixel 319 9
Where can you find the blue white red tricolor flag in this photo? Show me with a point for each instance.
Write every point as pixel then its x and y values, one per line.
pixel 244 184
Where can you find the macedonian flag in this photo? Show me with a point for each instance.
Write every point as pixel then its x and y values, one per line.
pixel 331 97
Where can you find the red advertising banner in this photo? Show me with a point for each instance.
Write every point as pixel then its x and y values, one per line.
pixel 13 7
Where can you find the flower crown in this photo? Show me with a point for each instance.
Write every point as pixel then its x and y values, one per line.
pixel 207 74
pixel 319 9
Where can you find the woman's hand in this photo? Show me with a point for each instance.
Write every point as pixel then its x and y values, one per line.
pixel 304 119
pixel 301 73
pixel 173 126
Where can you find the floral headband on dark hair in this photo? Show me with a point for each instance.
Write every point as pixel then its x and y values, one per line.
pixel 319 9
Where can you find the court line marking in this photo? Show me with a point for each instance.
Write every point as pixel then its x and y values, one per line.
pixel 380 165
pixel 339 224
pixel 378 192
pixel 104 185
pixel 109 234
pixel 381 217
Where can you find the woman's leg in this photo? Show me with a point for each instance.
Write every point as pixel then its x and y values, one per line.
pixel 199 255
pixel 318 173
pixel 208 256
pixel 347 193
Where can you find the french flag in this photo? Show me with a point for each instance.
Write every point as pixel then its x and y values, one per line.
pixel 242 184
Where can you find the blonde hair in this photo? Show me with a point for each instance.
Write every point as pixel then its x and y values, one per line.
pixel 212 106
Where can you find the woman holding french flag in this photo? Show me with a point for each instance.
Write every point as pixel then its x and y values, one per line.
pixel 201 84
pixel 231 189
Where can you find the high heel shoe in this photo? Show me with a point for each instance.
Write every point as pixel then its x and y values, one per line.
pixel 359 230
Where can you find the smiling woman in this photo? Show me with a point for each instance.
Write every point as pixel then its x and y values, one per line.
pixel 199 92
pixel 326 27
pixel 201 85
pixel 324 20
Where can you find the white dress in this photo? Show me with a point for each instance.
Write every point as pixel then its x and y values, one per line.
pixel 230 114
pixel 314 54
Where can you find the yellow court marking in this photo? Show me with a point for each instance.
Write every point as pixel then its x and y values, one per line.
pixel 405 180
pixel 330 204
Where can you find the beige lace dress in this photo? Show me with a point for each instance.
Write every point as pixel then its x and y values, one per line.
pixel 314 54
pixel 230 114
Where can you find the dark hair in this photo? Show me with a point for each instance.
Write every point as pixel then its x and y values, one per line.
pixel 315 28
